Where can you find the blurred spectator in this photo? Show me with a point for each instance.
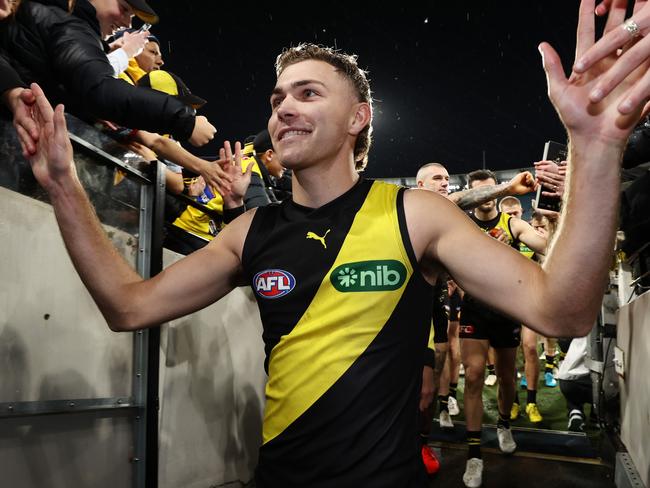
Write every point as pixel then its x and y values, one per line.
pixel 14 93
pixel 173 154
pixel 575 383
pixel 65 53
pixel 511 206
pixel 552 178
pixel 125 47
pixel 146 60
pixel 194 228
pixel 276 179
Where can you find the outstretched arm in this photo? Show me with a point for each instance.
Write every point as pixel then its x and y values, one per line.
pixel 126 300
pixel 523 231
pixel 467 199
pixel 168 149
pixel 564 296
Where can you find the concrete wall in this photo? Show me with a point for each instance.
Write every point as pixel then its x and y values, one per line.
pixel 633 338
pixel 55 345
pixel 211 389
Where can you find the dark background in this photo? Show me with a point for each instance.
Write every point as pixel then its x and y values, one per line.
pixel 456 82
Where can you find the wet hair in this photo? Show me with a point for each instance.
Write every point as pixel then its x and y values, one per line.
pixel 480 175
pixel 346 64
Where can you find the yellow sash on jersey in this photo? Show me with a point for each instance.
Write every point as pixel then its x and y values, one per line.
pixel 337 327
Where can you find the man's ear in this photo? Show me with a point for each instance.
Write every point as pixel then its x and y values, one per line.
pixel 361 118
pixel 268 154
pixel 420 184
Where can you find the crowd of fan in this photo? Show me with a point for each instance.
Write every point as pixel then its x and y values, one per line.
pixel 86 55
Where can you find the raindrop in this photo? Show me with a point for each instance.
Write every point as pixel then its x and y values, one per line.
pixel 426 21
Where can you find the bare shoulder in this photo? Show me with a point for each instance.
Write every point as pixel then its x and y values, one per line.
pixel 428 215
pixel 231 239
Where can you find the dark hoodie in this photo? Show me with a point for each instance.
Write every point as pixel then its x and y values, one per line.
pixel 66 55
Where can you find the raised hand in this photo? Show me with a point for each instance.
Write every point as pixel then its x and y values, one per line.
pixel 522 183
pixel 52 159
pixel 215 177
pixel 552 176
pixel 203 131
pixel 133 42
pixel 239 179
pixel 573 97
pixel 20 101
pixel 627 39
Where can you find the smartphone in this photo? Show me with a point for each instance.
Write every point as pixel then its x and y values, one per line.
pixel 145 27
pixel 556 152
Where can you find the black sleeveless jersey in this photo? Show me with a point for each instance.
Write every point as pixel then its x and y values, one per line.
pixel 500 222
pixel 346 316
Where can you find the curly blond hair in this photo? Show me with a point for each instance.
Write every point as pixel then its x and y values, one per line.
pixel 346 64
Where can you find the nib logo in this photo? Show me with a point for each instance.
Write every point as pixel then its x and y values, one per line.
pixel 347 277
pixel 381 275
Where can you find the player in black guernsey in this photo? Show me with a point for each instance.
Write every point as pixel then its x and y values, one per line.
pixel 435 177
pixel 482 327
pixel 370 243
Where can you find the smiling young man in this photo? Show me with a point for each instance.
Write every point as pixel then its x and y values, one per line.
pixel 346 315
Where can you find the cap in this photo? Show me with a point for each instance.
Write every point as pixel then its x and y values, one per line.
pixel 262 142
pixel 171 84
pixel 248 149
pixel 143 11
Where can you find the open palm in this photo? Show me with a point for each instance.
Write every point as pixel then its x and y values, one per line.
pixel 572 96
pixel 53 155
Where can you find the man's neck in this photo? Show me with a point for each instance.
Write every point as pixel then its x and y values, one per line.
pixel 486 215
pixel 318 185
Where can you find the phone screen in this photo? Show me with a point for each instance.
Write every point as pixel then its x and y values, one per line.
pixel 556 152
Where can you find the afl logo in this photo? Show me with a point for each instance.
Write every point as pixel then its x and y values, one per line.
pixel 273 283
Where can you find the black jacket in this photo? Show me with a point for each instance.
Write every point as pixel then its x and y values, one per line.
pixel 8 76
pixel 276 189
pixel 65 54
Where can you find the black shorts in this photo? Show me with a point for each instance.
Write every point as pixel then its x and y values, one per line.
pixel 440 323
pixel 480 322
pixel 454 306
pixel 439 314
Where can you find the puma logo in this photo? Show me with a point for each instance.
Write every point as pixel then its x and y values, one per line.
pixel 313 235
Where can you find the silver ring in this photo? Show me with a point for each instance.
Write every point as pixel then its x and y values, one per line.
pixel 631 28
